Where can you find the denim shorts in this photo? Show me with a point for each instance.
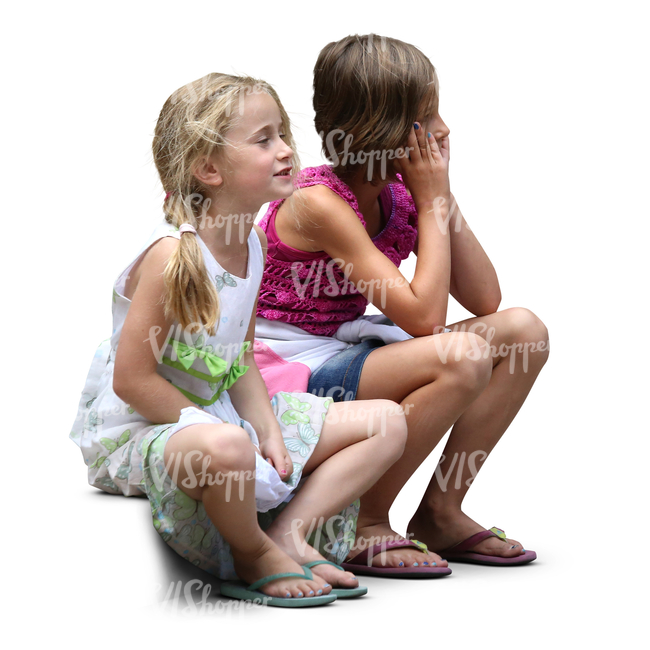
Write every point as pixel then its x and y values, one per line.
pixel 339 376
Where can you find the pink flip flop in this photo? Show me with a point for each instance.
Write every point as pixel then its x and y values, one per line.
pixel 361 564
pixel 460 552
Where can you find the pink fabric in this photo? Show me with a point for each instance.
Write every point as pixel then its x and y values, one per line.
pixel 279 374
pixel 310 305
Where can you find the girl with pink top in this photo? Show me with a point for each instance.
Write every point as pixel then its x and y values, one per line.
pixel 336 244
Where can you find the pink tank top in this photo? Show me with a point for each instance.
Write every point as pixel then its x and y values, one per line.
pixel 308 289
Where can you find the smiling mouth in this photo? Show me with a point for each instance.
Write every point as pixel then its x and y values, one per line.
pixel 284 172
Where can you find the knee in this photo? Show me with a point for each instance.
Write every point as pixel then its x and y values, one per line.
pixel 468 362
pixel 528 329
pixel 228 449
pixel 391 425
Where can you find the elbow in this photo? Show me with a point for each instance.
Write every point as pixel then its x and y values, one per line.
pixel 492 303
pixel 122 387
pixel 430 324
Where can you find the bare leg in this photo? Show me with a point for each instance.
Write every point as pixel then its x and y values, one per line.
pixel 359 442
pixel 231 452
pixel 522 341
pixel 434 388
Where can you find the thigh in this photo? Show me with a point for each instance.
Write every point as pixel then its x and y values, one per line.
pixel 396 370
pixel 347 423
pixel 505 329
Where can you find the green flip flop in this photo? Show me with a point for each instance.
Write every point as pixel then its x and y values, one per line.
pixel 241 591
pixel 341 592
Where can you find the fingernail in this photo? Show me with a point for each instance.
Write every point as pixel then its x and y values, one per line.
pixel 425 563
pixel 416 126
pixel 300 594
pixel 513 546
pixel 319 592
pixel 311 593
pixel 433 564
pixel 327 585
pixel 283 471
pixel 415 564
pixel 401 564
pixel 429 135
pixel 288 594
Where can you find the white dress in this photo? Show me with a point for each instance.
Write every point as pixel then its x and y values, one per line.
pixel 124 451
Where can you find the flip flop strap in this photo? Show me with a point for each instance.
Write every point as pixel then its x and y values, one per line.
pixel 472 541
pixel 276 576
pixel 366 556
pixel 309 565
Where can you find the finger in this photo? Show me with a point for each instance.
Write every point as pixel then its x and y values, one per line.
pixel 422 140
pixel 433 145
pixel 286 465
pixel 412 144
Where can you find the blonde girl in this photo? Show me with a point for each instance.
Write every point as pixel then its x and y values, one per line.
pixel 174 406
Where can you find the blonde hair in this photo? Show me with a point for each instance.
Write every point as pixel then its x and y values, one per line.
pixel 191 127
pixel 373 88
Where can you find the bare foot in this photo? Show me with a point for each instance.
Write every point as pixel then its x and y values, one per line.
pixel 369 535
pixel 441 530
pixel 297 548
pixel 269 560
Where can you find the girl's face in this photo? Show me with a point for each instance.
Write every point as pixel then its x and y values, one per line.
pixel 256 162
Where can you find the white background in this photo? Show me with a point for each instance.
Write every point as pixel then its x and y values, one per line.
pixel 548 109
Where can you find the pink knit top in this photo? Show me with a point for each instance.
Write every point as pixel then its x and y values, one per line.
pixel 308 289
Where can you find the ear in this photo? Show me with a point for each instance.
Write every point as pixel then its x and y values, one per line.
pixel 206 172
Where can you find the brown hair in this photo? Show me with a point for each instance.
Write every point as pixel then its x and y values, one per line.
pixel 369 89
pixel 192 126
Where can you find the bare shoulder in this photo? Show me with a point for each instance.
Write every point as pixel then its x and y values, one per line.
pixel 312 217
pixel 152 264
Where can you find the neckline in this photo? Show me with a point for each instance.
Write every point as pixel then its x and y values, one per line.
pixel 216 261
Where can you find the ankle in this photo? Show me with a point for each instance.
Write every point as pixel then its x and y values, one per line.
pixel 438 510
pixel 252 550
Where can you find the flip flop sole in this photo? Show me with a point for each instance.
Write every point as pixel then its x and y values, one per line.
pixel 397 572
pixel 241 592
pixel 491 560
pixel 353 592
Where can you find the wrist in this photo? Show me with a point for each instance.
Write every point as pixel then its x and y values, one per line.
pixel 266 433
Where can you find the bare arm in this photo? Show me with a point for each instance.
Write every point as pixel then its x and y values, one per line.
pixel 474 283
pixel 421 305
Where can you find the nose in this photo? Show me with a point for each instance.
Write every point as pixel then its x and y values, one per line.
pixel 285 152
pixel 441 130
